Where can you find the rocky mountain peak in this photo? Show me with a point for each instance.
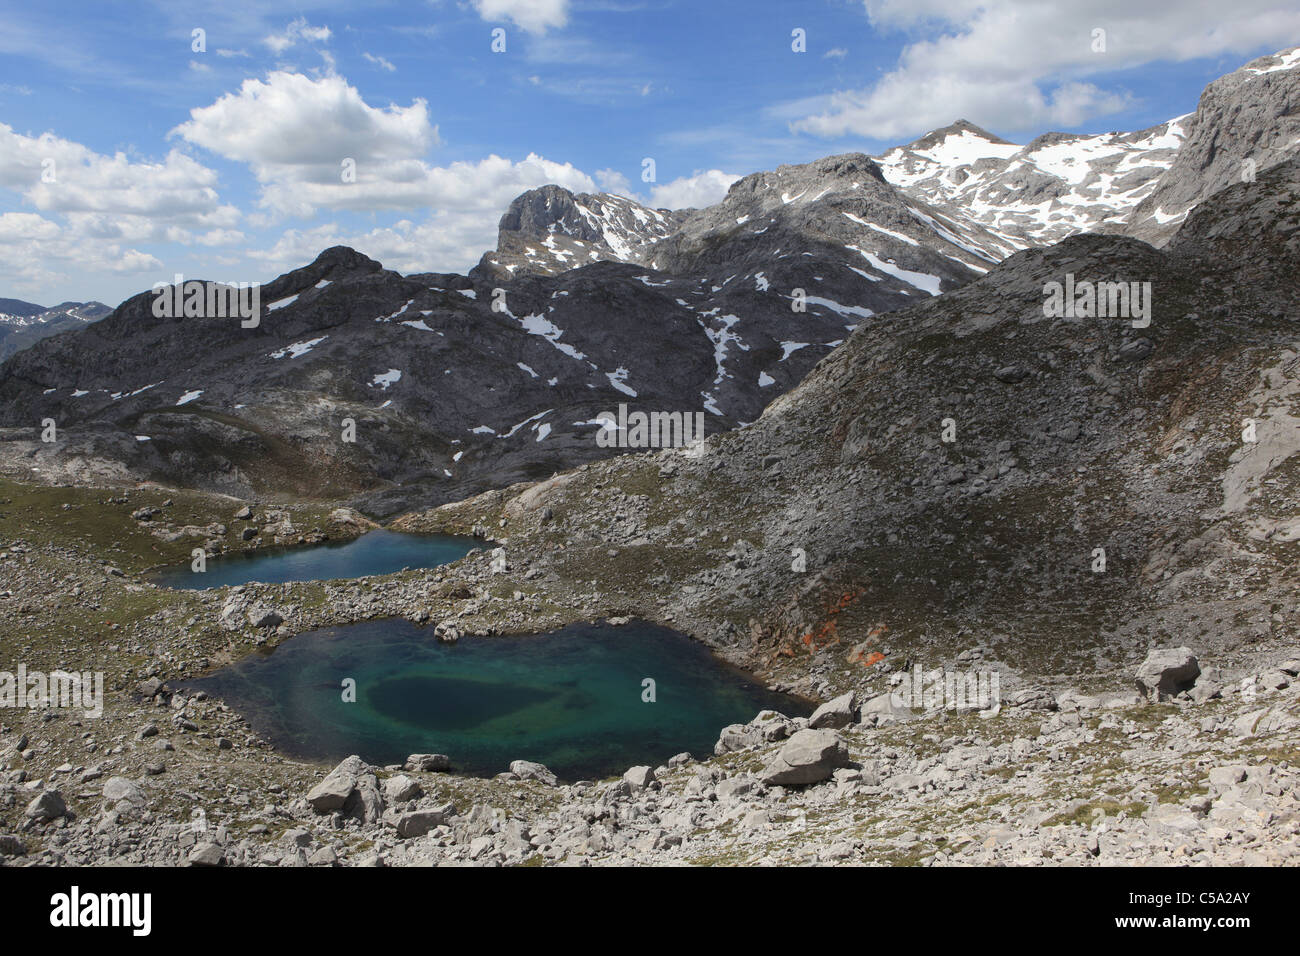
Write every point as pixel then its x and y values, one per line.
pixel 960 128
pixel 550 230
pixel 1245 123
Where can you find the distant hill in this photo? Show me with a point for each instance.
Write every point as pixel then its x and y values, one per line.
pixel 23 324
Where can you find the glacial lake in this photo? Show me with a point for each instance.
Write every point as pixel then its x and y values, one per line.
pixel 375 552
pixel 571 699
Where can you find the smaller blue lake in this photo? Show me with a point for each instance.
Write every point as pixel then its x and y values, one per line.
pixel 573 699
pixel 375 552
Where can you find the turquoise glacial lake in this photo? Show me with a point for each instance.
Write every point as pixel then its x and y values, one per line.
pixel 375 552
pixel 571 699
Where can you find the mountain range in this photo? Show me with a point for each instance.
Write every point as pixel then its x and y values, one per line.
pixel 25 323
pixel 456 384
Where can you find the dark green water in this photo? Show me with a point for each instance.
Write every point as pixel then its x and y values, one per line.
pixel 571 699
pixel 375 552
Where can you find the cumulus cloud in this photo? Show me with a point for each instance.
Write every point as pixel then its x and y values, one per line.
pixel 294 126
pixel 38 253
pixel 1024 65
pixel 534 16
pixel 93 208
pixel 465 200
pixel 698 190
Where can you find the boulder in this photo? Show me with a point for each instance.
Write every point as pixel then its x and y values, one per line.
pixel 151 687
pixel 429 763
pixel 206 854
pixel 401 788
pixel 733 788
pixel 736 737
pixel 47 805
pixel 639 777
pixel 808 757
pixel 333 792
pixel 773 726
pixel 885 709
pixel 120 788
pixel 835 714
pixel 259 615
pixel 416 823
pixel 1032 698
pixel 366 803
pixel 1167 672
pixel 350 518
pixel 528 770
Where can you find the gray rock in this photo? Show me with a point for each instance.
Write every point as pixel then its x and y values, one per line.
pixel 120 788
pixel 338 786
pixel 639 777
pixel 401 788
pixel 416 823
pixel 835 714
pixel 885 709
pixel 808 757
pixel 735 737
pixel 428 763
pixel 528 770
pixel 10 845
pixel 47 805
pixel 260 615
pixel 206 854
pixel 1167 672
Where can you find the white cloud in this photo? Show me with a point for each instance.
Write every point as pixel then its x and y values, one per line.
pixel 61 176
pixel 291 127
pixel 838 53
pixel 38 253
pixel 1021 65
pixel 699 190
pixel 612 181
pixel 298 30
pixel 466 201
pixel 534 16
pixel 93 208
pixel 380 62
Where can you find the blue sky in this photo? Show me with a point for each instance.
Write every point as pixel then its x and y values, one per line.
pixel 127 156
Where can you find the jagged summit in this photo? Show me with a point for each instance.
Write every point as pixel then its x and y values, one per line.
pixel 550 230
